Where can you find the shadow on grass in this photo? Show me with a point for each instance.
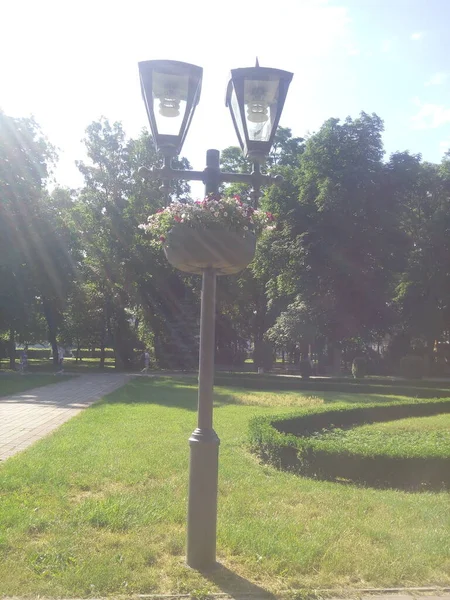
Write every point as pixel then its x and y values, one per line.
pixel 182 392
pixel 234 585
pixel 164 391
pixel 382 473
pixel 350 387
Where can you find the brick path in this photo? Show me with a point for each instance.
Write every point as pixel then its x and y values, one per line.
pixel 32 414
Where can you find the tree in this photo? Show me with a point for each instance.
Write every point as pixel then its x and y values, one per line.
pixel 423 292
pixel 294 330
pixel 34 258
pixel 340 238
pixel 131 273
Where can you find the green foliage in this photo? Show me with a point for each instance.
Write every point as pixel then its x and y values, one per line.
pixel 36 353
pixel 412 367
pixel 361 250
pixel 334 257
pixel 37 247
pixel 359 368
pixel 294 326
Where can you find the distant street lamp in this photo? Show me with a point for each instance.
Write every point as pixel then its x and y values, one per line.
pixel 255 97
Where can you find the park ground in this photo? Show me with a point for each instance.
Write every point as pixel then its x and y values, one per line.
pixel 98 508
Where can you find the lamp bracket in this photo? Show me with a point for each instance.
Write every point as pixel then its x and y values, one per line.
pixel 212 175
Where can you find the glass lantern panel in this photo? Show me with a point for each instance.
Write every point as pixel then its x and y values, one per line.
pixel 237 114
pixel 170 94
pixel 261 102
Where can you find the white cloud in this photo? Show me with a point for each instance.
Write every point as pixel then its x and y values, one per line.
pixel 430 116
pixel 444 146
pixel 417 36
pixel 437 79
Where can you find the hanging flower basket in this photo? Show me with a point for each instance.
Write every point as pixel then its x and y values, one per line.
pixel 217 233
pixel 194 250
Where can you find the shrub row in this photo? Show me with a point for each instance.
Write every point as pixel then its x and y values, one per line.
pixel 46 353
pixel 288 442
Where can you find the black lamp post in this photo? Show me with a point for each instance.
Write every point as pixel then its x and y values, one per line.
pixel 255 96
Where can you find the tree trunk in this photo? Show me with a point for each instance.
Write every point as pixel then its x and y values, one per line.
pixel 102 355
pixel 336 357
pixel 49 317
pixel 122 349
pixel 429 357
pixel 12 349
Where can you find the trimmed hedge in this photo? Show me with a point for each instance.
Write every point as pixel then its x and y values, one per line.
pixel 292 442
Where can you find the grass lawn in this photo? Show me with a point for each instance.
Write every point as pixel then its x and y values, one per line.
pixel 15 383
pixel 415 437
pixel 99 507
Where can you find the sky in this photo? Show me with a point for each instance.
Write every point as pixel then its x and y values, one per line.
pixel 68 63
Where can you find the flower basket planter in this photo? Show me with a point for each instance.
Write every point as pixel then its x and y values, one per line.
pixel 194 250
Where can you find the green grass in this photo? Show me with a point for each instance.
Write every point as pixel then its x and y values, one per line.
pixel 14 383
pixel 416 437
pixel 99 507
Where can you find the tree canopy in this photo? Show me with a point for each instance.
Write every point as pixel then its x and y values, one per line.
pixel 360 253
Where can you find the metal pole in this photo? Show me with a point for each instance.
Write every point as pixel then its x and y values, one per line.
pixel 204 443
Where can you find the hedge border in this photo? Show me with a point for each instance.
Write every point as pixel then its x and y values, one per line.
pixel 286 441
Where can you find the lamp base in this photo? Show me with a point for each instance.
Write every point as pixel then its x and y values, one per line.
pixel 202 502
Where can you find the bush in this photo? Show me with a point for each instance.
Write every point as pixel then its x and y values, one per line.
pixel 292 442
pixel 264 355
pixel 412 367
pixel 84 353
pixel 305 369
pixel 36 353
pixel 359 368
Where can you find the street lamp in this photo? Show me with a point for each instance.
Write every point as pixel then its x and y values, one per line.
pixel 255 96
pixel 171 91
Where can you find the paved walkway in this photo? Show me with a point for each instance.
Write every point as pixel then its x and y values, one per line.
pixel 30 415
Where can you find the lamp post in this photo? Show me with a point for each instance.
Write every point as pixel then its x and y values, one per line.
pixel 255 97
